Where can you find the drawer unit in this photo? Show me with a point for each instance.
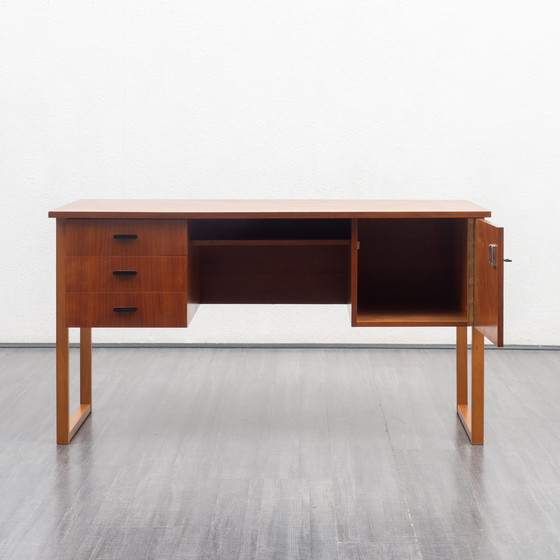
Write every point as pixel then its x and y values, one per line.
pixel 126 237
pixel 126 274
pixel 142 309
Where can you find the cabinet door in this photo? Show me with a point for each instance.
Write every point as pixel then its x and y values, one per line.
pixel 489 281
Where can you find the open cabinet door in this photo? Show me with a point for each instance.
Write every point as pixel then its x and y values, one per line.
pixel 489 281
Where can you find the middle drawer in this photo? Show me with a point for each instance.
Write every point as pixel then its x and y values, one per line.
pixel 126 274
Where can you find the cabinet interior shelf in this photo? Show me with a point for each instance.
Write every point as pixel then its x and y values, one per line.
pixel 266 242
pixel 418 316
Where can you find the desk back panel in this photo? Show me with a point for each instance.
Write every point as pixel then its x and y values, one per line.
pixel 273 273
pixel 416 263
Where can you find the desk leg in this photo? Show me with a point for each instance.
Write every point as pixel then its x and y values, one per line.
pixel 85 366
pixel 62 386
pixel 472 417
pixel 462 367
pixel 67 425
pixel 477 389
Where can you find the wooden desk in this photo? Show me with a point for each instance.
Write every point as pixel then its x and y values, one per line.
pixel 150 263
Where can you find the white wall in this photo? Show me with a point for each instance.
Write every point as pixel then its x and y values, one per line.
pixel 285 99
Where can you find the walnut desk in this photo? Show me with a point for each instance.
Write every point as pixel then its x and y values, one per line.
pixel 150 263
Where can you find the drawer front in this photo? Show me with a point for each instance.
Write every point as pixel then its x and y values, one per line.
pixel 108 309
pixel 126 274
pixel 126 237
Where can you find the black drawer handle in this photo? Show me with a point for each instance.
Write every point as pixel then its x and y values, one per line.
pixel 124 272
pixel 125 236
pixel 125 309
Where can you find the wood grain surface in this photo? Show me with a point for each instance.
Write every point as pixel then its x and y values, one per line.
pixel 300 273
pixel 489 283
pixel 152 309
pixel 269 209
pixel 152 237
pixel 135 274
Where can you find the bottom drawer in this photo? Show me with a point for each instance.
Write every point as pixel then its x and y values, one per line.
pixel 110 309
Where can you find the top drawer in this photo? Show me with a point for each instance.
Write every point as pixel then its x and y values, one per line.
pixel 126 237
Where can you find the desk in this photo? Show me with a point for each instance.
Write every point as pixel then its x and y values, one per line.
pixel 151 263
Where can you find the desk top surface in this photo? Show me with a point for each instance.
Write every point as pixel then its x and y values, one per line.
pixel 297 208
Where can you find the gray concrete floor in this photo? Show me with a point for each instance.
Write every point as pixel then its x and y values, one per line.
pixel 280 454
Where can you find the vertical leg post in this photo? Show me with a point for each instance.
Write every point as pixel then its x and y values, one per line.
pixel 477 387
pixel 62 386
pixel 85 366
pixel 462 367
pixel 67 424
pixel 62 354
pixel 471 416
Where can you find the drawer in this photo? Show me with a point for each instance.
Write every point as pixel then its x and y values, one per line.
pixel 126 274
pixel 126 237
pixel 109 309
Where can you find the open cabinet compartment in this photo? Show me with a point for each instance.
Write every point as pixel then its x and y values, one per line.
pixel 271 260
pixel 411 272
